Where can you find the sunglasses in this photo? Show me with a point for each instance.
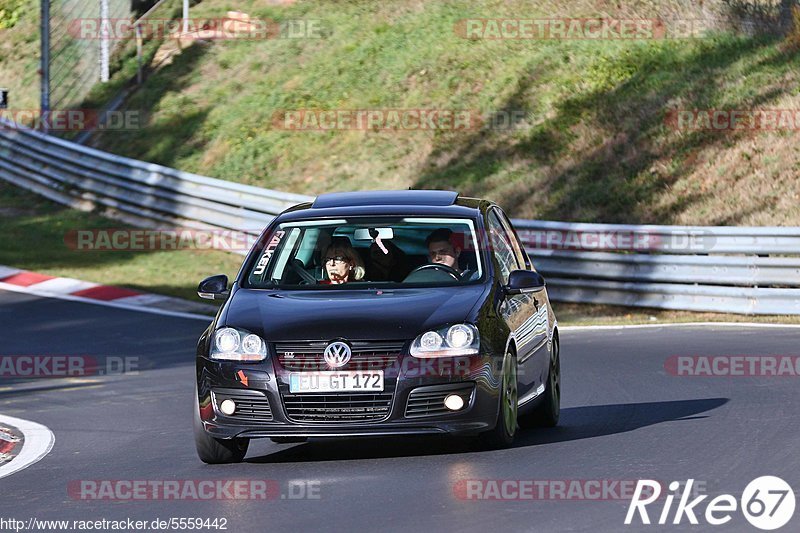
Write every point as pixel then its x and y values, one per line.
pixel 337 259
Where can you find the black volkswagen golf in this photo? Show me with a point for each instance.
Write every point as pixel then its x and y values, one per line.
pixel 378 313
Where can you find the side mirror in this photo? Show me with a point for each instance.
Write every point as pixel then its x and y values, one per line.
pixel 214 288
pixel 523 281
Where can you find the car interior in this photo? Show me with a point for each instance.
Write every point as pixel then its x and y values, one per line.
pixel 388 254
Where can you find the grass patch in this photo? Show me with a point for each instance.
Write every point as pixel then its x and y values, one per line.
pixel 19 52
pixel 594 145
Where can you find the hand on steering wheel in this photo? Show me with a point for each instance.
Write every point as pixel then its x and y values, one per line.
pixel 438 266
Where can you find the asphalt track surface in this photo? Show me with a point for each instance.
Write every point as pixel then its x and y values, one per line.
pixel 623 418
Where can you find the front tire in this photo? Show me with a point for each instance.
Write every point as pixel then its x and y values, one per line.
pixel 502 436
pixel 547 413
pixel 215 451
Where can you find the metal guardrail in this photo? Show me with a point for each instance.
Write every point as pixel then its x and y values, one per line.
pixel 660 239
pixel 714 298
pixel 742 271
pixel 722 269
pixel 140 193
pixel 747 270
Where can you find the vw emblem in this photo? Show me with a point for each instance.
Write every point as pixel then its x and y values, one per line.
pixel 337 354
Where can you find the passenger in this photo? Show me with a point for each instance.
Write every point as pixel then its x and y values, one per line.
pixel 342 262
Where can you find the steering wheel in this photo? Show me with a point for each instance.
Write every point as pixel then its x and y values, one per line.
pixel 438 267
pixel 298 267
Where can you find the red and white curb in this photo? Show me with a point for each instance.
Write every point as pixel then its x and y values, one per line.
pixel 10 443
pixel 23 281
pixel 35 443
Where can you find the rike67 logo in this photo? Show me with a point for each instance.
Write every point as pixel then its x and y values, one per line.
pixel 768 503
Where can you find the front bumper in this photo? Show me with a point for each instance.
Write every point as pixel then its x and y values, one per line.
pixel 265 392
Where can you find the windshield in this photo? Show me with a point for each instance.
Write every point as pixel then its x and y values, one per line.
pixel 366 252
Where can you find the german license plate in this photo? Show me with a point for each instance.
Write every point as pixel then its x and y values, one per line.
pixel 351 381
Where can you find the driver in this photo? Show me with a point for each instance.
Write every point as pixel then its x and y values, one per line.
pixel 444 250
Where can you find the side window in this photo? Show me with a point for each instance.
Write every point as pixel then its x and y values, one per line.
pixel 501 248
pixel 519 250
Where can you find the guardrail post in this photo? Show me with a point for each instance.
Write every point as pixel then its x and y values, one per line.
pixel 45 60
pixel 139 44
pixel 104 42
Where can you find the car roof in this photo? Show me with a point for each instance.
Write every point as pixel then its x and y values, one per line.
pixel 405 203
pixel 408 197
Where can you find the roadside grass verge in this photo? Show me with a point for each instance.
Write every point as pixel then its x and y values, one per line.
pixel 19 52
pixel 594 144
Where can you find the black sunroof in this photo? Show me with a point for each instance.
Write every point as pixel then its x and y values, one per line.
pixel 348 199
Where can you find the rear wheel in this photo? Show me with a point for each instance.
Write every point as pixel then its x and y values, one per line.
pixel 547 413
pixel 217 451
pixel 503 433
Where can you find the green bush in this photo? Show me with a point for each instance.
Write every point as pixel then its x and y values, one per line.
pixel 10 12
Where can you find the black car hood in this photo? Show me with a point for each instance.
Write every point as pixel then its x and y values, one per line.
pixel 359 314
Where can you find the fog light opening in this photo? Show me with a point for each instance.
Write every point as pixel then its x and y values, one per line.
pixel 454 402
pixel 228 407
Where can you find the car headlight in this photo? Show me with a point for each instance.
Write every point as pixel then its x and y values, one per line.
pixel 232 344
pixel 459 339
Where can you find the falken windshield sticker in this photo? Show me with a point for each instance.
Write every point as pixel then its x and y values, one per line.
pixel 268 251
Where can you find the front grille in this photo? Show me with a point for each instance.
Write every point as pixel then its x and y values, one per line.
pixel 359 407
pixel 251 406
pixel 367 355
pixel 429 401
